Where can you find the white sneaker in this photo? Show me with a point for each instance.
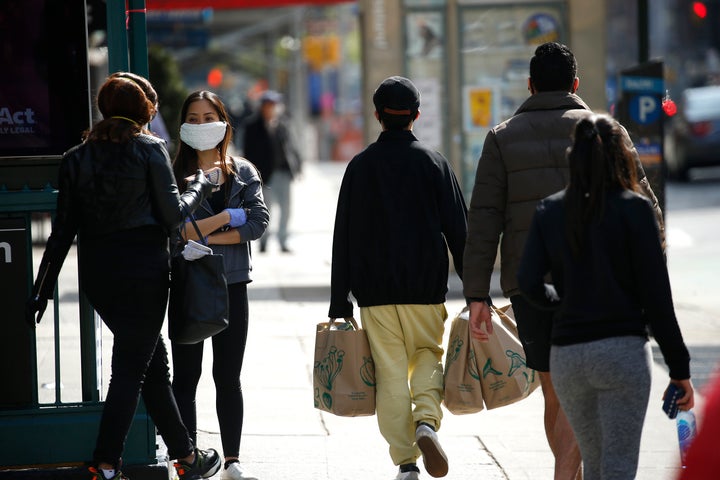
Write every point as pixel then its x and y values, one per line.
pixel 434 458
pixel 408 476
pixel 236 472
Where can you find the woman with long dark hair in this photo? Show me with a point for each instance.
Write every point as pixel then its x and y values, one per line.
pixel 599 240
pixel 118 194
pixel 230 219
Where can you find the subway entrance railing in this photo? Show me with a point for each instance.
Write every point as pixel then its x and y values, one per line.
pixel 52 376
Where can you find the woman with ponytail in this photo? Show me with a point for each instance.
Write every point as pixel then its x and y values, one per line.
pixel 599 240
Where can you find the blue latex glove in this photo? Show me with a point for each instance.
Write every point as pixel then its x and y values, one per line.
pixel 238 216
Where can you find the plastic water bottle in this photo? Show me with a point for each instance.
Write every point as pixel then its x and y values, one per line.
pixel 686 428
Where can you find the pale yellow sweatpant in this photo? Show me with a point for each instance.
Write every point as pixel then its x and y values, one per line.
pixel 406 346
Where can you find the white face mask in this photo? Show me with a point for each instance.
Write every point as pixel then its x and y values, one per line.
pixel 203 136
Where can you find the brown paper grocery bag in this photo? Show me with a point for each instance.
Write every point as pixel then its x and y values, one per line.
pixel 463 393
pixel 504 375
pixel 343 370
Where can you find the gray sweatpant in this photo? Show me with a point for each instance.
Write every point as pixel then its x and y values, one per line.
pixel 604 388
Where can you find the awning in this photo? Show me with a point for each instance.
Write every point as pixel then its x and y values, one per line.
pixel 228 4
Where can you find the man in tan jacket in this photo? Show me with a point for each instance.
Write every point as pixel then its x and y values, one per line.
pixel 524 160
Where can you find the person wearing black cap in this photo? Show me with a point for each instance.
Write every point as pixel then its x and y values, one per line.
pixel 400 209
pixel 269 144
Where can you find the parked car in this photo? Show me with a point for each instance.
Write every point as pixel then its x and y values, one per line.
pixel 692 138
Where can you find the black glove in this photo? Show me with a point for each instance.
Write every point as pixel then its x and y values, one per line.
pixel 201 184
pixel 35 305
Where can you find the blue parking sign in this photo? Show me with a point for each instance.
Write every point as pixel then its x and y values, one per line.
pixel 645 109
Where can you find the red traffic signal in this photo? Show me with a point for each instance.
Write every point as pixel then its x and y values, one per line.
pixel 215 77
pixel 699 9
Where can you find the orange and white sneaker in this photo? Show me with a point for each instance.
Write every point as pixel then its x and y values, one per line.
pixel 206 464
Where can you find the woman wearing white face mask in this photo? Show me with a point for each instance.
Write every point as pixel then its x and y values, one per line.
pixel 233 216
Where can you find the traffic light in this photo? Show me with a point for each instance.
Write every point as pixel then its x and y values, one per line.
pixel 215 77
pixel 699 9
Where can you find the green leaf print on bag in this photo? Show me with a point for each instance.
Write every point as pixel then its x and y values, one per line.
pixel 472 365
pixel 453 351
pixel 367 371
pixel 327 369
pixel 488 369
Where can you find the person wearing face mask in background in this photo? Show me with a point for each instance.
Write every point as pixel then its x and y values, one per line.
pixel 233 216
pixel 117 193
pixel 269 144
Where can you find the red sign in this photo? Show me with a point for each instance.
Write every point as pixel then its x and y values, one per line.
pixel 227 4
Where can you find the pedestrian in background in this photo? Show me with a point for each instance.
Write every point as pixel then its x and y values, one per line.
pixel 269 144
pixel 600 241
pixel 118 194
pixel 524 160
pixel 230 219
pixel 399 210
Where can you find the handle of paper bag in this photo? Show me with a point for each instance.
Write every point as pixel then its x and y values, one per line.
pixel 350 320
pixel 506 320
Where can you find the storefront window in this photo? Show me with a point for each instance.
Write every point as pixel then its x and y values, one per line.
pixel 425 64
pixel 496 45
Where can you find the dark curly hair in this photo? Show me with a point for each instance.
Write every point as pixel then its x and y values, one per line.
pixel 553 68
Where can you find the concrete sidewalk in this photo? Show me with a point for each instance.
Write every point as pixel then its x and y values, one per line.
pixel 285 437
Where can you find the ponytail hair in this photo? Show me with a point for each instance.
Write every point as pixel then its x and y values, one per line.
pixel 600 159
pixel 125 109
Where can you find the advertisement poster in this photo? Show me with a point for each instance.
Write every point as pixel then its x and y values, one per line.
pixel 24 95
pixel 496 44
pixel 44 95
pixel 424 34
pixel 428 128
pixel 478 105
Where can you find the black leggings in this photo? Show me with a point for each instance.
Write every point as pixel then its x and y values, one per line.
pixel 127 284
pixel 228 352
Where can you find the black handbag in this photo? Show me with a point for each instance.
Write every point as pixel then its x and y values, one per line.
pixel 198 307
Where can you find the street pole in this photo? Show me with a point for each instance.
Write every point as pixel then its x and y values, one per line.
pixel 127 37
pixel 117 36
pixel 643 35
pixel 137 30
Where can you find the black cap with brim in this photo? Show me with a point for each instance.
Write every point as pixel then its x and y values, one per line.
pixel 396 96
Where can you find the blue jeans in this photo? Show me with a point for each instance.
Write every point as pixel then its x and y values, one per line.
pixel 277 195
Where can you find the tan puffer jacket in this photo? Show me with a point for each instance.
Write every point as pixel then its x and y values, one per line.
pixel 523 161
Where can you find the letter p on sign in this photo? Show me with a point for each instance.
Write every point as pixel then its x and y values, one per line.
pixel 644 109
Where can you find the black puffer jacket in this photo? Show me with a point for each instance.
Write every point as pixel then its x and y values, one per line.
pixel 106 187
